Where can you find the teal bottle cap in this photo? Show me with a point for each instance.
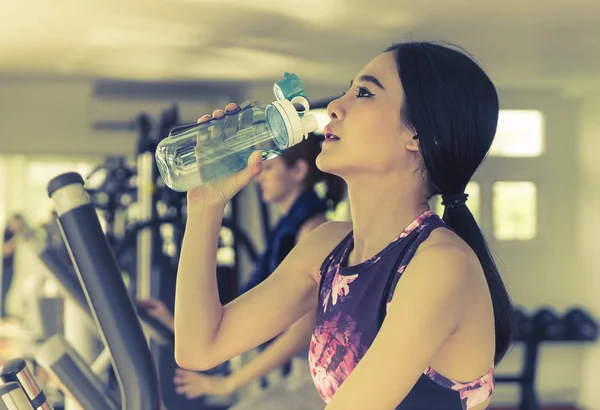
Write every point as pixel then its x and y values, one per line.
pixel 289 87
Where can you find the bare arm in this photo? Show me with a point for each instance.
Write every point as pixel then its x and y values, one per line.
pixel 206 333
pixel 277 353
pixel 8 248
pixel 290 341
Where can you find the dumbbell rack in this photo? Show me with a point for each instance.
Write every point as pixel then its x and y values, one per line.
pixel 526 379
pixel 532 333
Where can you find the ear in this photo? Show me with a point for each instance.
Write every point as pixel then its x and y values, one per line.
pixel 413 144
pixel 300 170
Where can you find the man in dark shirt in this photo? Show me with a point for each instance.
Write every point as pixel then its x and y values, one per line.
pixel 11 231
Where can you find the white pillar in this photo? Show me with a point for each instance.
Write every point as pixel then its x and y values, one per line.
pixel 587 207
pixel 82 336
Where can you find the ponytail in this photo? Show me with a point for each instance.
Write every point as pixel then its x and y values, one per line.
pixel 452 107
pixel 458 217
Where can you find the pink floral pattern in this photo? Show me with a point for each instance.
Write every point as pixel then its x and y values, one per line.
pixel 335 350
pixel 340 286
pixel 471 393
pixel 417 223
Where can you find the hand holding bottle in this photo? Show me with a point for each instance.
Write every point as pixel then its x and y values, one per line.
pixel 220 151
pixel 219 192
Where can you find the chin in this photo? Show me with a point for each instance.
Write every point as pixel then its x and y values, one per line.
pixel 328 163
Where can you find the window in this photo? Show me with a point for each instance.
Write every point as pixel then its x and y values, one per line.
pixel 520 133
pixel 514 210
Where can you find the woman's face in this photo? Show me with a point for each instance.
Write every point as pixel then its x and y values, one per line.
pixel 369 135
pixel 278 182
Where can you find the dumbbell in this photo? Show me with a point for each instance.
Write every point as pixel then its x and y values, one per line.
pixel 16 370
pixel 548 325
pixel 580 326
pixel 523 323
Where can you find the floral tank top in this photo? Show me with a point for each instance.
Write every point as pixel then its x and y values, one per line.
pixel 352 305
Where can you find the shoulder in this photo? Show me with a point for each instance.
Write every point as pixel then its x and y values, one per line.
pixel 444 263
pixel 309 225
pixel 318 243
pixel 445 246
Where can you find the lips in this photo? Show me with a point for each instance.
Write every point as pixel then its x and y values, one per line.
pixel 329 135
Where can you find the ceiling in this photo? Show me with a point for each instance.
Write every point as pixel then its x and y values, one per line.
pixel 520 42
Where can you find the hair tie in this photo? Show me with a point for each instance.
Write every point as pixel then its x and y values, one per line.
pixel 454 200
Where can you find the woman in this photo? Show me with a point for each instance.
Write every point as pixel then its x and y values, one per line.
pixel 407 304
pixel 288 183
pixel 11 231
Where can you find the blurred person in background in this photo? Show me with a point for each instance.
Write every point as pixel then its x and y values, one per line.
pixel 11 233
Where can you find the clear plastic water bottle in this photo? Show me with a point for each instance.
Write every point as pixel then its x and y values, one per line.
pixel 193 155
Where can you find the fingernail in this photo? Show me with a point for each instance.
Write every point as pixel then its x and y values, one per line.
pixel 204 117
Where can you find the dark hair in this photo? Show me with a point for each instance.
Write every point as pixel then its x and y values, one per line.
pixel 17 217
pixel 452 106
pixel 308 150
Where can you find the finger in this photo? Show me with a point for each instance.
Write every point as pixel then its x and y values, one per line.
pixel 245 176
pixel 231 107
pixel 204 118
pixel 186 389
pixel 146 302
pixel 142 304
pixel 191 395
pixel 218 114
pixel 216 128
pixel 254 164
pixel 183 374
pixel 230 123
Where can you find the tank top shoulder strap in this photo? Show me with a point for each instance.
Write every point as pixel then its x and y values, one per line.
pixel 334 256
pixel 420 235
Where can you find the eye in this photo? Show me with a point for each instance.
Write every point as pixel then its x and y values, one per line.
pixel 362 92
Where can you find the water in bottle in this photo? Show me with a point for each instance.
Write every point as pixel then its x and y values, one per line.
pixel 193 155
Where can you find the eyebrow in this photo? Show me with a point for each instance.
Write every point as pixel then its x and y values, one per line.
pixel 370 79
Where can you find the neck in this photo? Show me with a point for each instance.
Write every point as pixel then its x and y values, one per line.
pixel 380 212
pixel 286 203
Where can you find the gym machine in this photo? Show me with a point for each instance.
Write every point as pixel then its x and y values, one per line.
pixel 66 278
pixel 112 187
pixel 19 389
pixel 109 302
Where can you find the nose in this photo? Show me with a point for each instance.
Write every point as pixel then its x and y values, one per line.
pixel 335 110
